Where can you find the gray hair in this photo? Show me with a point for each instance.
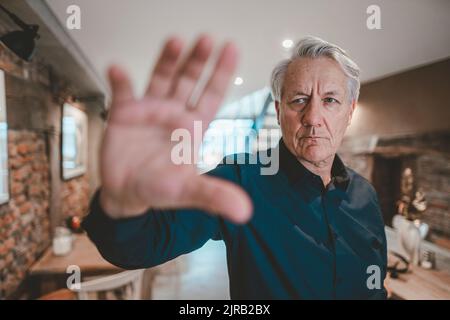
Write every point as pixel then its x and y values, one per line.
pixel 313 47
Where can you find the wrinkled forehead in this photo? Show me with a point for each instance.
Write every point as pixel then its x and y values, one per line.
pixel 318 75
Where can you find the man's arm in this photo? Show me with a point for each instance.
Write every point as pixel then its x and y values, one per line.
pixel 156 236
pixel 138 169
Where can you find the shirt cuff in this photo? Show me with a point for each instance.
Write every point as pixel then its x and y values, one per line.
pixel 102 228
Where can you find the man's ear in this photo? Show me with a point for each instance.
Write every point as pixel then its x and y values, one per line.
pixel 353 107
pixel 277 108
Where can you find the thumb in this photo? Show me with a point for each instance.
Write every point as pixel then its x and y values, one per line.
pixel 221 197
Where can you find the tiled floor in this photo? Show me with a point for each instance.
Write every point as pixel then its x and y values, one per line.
pixel 201 274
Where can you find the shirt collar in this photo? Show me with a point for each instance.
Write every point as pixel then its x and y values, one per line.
pixel 296 171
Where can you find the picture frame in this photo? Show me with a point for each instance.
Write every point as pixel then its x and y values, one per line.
pixel 4 169
pixel 74 142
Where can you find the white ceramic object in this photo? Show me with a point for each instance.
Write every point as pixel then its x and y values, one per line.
pixel 410 235
pixel 62 241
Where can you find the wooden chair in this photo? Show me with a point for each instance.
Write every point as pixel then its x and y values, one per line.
pixel 125 285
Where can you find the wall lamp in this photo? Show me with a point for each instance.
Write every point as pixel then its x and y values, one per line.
pixel 21 42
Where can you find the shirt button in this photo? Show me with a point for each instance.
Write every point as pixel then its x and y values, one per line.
pixel 376 244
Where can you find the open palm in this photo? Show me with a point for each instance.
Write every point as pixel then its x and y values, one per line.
pixel 137 171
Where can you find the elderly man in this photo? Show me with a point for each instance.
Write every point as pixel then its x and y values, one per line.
pixel 313 230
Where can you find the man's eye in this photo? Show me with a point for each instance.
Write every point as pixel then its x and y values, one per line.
pixel 300 101
pixel 330 100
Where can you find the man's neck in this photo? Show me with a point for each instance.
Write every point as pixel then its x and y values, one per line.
pixel 320 168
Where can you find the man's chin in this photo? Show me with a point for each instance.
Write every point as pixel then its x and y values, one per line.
pixel 315 157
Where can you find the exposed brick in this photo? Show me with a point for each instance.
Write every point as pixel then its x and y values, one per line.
pixel 9 243
pixel 12 150
pixel 17 188
pixel 75 193
pixel 21 174
pixel 24 220
pixel 20 199
pixel 7 219
pixel 34 190
pixel 16 162
pixel 25 208
pixel 22 148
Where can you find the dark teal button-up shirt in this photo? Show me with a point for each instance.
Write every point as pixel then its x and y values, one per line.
pixel 304 240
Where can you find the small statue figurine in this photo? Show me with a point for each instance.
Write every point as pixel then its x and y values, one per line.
pixel 411 230
pixel 419 203
pixel 410 208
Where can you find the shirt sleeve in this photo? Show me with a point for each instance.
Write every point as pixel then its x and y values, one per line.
pixel 156 236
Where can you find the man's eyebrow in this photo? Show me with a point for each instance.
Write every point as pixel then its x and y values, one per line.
pixel 332 93
pixel 299 93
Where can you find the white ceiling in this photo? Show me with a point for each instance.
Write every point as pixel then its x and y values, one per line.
pixel 414 32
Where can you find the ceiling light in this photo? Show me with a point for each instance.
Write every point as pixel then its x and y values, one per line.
pixel 287 43
pixel 238 81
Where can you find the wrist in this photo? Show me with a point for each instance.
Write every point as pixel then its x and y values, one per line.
pixel 116 208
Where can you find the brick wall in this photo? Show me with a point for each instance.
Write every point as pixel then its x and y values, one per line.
pixel 75 197
pixel 433 176
pixel 428 155
pixel 24 220
pixel 40 199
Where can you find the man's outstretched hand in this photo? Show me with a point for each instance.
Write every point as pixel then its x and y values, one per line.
pixel 136 168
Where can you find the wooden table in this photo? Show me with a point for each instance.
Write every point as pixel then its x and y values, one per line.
pixel 49 273
pixel 84 254
pixel 420 284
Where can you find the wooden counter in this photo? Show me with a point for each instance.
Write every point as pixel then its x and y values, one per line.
pixel 420 284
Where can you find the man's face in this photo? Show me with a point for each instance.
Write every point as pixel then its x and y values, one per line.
pixel 315 108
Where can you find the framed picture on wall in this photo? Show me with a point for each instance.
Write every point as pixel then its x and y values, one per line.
pixel 74 142
pixel 4 171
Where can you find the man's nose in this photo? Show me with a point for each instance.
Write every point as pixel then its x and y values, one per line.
pixel 313 114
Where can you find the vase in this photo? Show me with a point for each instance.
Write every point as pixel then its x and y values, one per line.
pixel 410 239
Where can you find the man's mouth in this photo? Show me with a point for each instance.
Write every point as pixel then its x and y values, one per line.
pixel 312 140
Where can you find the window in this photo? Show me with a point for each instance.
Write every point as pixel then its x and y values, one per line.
pixel 225 137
